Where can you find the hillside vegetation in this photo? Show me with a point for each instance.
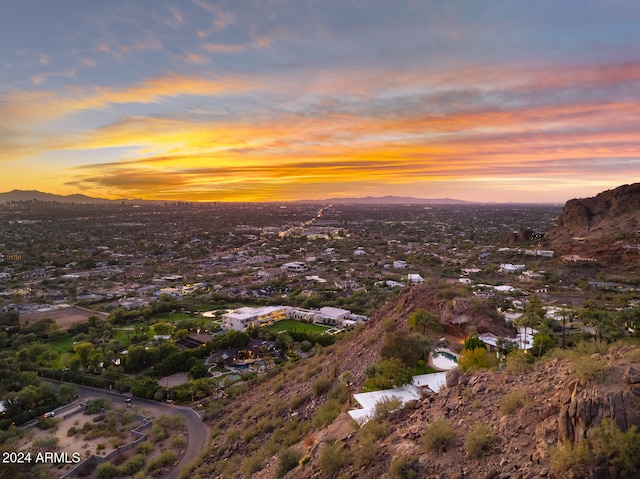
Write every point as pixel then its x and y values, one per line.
pixel 567 415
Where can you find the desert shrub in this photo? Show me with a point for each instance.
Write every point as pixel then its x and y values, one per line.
pixel 326 413
pixel 512 401
pixel 438 436
pixel 158 433
pixel 387 406
pixel 519 362
pixel 388 325
pixel 569 456
pixel 144 448
pixel 589 369
pixel 373 431
pixel 166 421
pixel 72 431
pixel 252 464
pixel 133 465
pixel 47 423
pixel 178 442
pixel 321 386
pixel 587 348
pixel 95 406
pixel 366 453
pixel 339 392
pixel 479 441
pixel 298 401
pixel 46 442
pixel 163 460
pixel 292 432
pixel 332 458
pixel 288 460
pixel 278 385
pixel 312 371
pixel 106 470
pixel 401 468
pixel 369 439
pixel 620 450
pixel 474 359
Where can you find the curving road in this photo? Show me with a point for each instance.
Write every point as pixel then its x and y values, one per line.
pixel 197 430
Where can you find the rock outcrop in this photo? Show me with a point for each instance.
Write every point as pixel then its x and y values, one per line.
pixel 604 215
pixel 586 408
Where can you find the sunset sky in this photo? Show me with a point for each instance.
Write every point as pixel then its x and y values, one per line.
pixel 271 100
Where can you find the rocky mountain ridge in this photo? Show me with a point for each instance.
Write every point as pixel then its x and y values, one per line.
pixel 603 216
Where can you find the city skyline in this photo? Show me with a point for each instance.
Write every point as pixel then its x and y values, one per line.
pixel 283 100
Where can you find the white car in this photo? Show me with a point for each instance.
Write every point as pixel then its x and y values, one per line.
pixel 49 414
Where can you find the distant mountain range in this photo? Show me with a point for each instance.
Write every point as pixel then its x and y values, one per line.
pixel 30 195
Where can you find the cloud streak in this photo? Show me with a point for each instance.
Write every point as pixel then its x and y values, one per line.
pixel 248 100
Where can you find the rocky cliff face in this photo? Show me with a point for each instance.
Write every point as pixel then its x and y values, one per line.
pixel 557 408
pixel 585 407
pixel 602 216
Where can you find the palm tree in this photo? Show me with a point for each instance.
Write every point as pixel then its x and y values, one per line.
pixel 565 314
pixel 426 344
pixel 421 318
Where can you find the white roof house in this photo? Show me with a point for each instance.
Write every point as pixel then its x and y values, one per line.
pixel 511 268
pixel 328 314
pixel 524 339
pixel 295 266
pixel 405 393
pixel 244 318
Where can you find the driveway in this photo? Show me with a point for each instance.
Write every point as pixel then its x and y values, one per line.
pixel 197 430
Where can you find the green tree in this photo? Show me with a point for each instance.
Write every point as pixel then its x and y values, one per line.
pixel 198 370
pixel 163 329
pixel 401 345
pixel 474 342
pixel 426 344
pixel 564 315
pixel 67 392
pixel 423 320
pixel 474 359
pixel 542 343
pixel 391 373
pixel 29 397
pixel 83 351
pixel 136 359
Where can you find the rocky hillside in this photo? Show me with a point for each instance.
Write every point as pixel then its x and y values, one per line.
pixel 605 227
pixel 502 424
pixel 604 216
pixel 295 406
pixel 452 304
pixel 293 422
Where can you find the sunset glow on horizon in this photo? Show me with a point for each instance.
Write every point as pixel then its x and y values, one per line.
pixel 281 100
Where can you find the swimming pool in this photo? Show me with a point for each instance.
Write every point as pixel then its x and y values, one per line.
pixel 444 360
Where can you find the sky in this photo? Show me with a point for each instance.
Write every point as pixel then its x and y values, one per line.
pixel 278 100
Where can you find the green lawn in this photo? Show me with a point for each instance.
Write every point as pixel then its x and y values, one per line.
pixel 292 325
pixel 168 317
pixel 61 345
pixel 122 335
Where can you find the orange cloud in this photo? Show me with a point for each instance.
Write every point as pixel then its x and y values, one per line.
pixel 30 107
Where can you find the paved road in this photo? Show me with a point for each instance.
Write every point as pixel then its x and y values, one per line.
pixel 196 428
